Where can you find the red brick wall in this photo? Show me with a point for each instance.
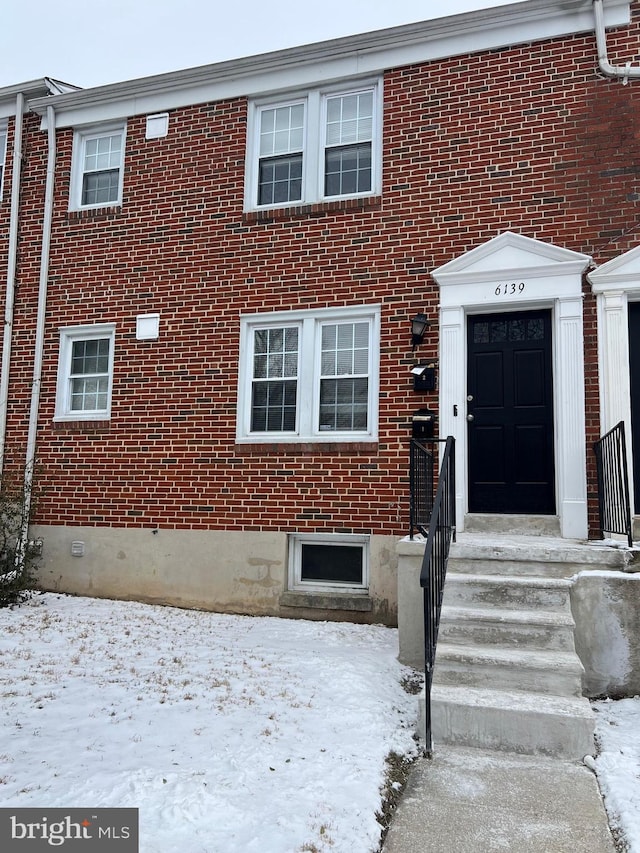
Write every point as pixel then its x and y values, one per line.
pixel 530 139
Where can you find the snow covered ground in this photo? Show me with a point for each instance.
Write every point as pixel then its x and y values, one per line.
pixel 618 766
pixel 229 733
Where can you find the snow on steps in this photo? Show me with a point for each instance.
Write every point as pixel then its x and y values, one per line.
pixel 506 674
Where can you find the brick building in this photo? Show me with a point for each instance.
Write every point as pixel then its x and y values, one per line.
pixel 208 279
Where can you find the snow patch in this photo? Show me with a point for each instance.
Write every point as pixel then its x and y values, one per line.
pixel 231 734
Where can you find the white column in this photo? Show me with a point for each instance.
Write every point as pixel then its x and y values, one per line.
pixel 570 420
pixel 615 386
pixel 613 363
pixel 453 406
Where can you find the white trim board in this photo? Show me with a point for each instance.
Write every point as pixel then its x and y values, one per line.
pixel 338 59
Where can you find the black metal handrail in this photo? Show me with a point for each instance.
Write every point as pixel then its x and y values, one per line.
pixel 421 486
pixel 442 529
pixel 614 504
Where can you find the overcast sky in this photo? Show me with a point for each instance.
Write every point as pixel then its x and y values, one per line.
pixel 90 44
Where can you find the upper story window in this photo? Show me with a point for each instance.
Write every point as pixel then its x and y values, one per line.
pixel 320 146
pixel 309 376
pixel 3 153
pixel 85 372
pixel 98 157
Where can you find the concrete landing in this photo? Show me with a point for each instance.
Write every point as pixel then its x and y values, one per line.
pixel 472 800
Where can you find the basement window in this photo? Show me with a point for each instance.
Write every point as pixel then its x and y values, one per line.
pixel 329 563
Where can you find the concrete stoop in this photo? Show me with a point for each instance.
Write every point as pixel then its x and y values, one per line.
pixel 507 675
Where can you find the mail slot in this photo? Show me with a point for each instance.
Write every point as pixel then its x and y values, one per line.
pixel 424 377
pixel 423 424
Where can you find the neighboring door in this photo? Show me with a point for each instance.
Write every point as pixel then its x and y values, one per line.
pixel 634 376
pixel 510 413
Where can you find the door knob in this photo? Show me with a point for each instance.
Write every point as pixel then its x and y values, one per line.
pixel 469 417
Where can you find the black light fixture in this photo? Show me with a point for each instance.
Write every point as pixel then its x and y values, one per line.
pixel 419 326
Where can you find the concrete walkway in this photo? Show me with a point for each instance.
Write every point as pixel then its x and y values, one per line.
pixel 471 801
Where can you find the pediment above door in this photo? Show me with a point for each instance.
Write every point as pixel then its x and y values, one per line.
pixel 622 273
pixel 511 256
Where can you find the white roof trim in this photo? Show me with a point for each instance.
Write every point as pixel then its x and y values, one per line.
pixel 621 273
pixel 368 53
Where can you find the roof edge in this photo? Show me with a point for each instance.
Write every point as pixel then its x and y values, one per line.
pixel 363 53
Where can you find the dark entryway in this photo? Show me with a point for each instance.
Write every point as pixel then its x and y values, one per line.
pixel 510 413
pixel 634 369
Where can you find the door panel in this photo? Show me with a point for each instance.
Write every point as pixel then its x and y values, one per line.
pixel 530 446
pixel 489 390
pixel 488 444
pixel 529 379
pixel 510 408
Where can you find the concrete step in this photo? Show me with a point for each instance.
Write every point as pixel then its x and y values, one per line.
pixel 506 674
pixel 529 723
pixel 492 525
pixel 518 628
pixel 471 589
pixel 503 668
pixel 531 555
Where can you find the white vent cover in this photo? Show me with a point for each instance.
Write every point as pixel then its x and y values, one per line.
pixel 157 125
pixel 147 327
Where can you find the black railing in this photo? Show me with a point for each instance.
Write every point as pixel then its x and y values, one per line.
pixel 442 529
pixel 614 504
pixel 421 485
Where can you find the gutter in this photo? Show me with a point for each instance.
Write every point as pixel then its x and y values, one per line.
pixel 11 274
pixel 622 72
pixel 349 56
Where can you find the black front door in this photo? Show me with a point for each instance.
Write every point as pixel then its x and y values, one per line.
pixel 634 368
pixel 510 413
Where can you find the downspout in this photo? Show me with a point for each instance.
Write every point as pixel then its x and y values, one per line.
pixel 40 321
pixel 11 275
pixel 625 72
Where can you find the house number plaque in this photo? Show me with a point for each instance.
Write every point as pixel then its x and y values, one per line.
pixel 513 288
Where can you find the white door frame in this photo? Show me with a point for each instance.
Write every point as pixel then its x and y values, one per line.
pixel 514 273
pixel 615 284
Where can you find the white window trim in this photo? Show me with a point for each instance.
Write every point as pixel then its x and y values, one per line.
pixel 68 335
pixel 314 101
pixel 80 138
pixel 308 399
pixel 295 582
pixel 3 152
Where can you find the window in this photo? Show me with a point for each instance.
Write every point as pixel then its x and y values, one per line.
pixel 97 168
pixel 317 147
pixel 3 152
pixel 280 158
pixel 309 376
pixel 85 372
pixel 329 562
pixel 348 142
